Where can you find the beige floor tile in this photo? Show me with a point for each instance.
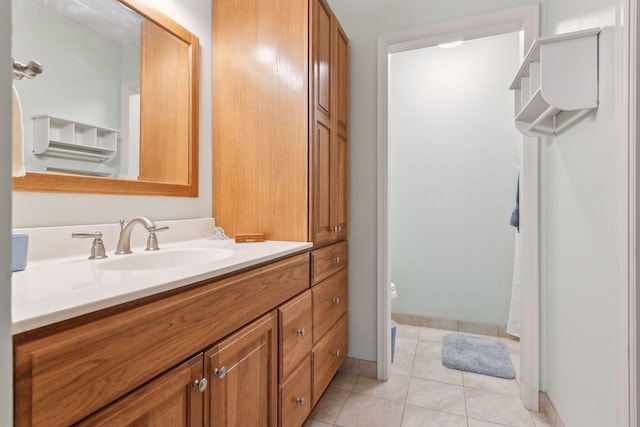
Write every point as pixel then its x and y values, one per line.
pixel 436 395
pixel 395 389
pixel 406 319
pixel 402 363
pixel 489 383
pixel 429 350
pixel 408 331
pixel 329 406
pixel 361 410
pixel 430 369
pixel 431 334
pixel 539 419
pixel 344 381
pixel 315 423
pixel 479 423
pixel 497 408
pixel 415 416
pixel 408 345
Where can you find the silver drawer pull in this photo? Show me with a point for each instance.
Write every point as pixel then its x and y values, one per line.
pixel 302 332
pixel 200 384
pixel 336 353
pixel 300 401
pixel 336 260
pixel 220 373
pixel 336 301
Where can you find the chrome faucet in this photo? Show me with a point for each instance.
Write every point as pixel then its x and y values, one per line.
pixel 124 242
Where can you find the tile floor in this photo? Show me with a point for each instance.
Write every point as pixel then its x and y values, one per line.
pixel 423 393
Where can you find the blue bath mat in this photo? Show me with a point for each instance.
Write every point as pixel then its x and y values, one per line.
pixel 475 354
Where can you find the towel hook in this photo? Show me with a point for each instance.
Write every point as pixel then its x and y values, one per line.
pixel 30 70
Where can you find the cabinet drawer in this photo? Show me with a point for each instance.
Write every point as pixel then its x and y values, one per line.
pixel 328 355
pixel 329 303
pixel 295 396
pixel 296 332
pixel 63 377
pixel 326 261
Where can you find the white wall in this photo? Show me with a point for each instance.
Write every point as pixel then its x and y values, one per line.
pixel 363 23
pixel 579 244
pixel 453 164
pixel 44 209
pixel 6 352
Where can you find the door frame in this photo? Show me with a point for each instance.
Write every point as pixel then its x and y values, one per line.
pixel 526 19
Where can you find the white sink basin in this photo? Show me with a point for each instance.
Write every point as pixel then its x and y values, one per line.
pixel 164 258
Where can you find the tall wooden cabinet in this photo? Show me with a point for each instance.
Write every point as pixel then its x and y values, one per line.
pixel 328 120
pixel 280 102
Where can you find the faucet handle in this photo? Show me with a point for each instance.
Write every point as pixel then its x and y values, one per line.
pixel 152 240
pixel 97 248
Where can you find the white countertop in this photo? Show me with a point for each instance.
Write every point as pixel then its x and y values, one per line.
pixel 52 290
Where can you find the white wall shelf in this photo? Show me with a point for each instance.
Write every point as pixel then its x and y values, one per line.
pixel 558 75
pixel 69 139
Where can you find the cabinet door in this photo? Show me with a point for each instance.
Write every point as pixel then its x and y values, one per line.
pixel 242 372
pixel 340 147
pixel 173 399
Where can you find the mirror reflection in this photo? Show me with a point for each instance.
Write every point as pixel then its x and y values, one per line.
pixel 114 99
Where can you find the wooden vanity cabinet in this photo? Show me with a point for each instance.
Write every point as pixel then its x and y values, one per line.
pixel 65 373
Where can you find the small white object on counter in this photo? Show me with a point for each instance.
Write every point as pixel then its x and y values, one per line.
pixel 55 289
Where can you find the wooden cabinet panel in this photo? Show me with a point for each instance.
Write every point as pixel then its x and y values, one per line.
pixel 322 57
pixel 245 394
pixel 328 260
pixel 327 356
pixel 295 337
pixel 342 80
pixel 169 400
pixel 321 203
pixel 64 377
pixel 329 303
pixel 164 132
pixel 261 117
pixel 295 396
pixel 339 186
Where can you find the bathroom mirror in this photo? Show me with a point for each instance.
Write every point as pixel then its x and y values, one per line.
pixel 115 110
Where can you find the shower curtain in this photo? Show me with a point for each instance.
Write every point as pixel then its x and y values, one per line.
pixel 513 324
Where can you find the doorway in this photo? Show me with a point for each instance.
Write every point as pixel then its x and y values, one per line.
pixel 523 19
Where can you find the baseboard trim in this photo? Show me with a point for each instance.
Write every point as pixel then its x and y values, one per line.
pixel 364 368
pixel 488 329
pixel 549 411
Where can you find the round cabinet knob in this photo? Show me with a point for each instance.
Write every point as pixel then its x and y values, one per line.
pixel 300 401
pixel 201 384
pixel 302 332
pixel 220 373
pixel 336 353
pixel 336 301
pixel 336 260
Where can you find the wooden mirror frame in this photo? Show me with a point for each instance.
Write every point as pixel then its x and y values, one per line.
pixel 52 183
